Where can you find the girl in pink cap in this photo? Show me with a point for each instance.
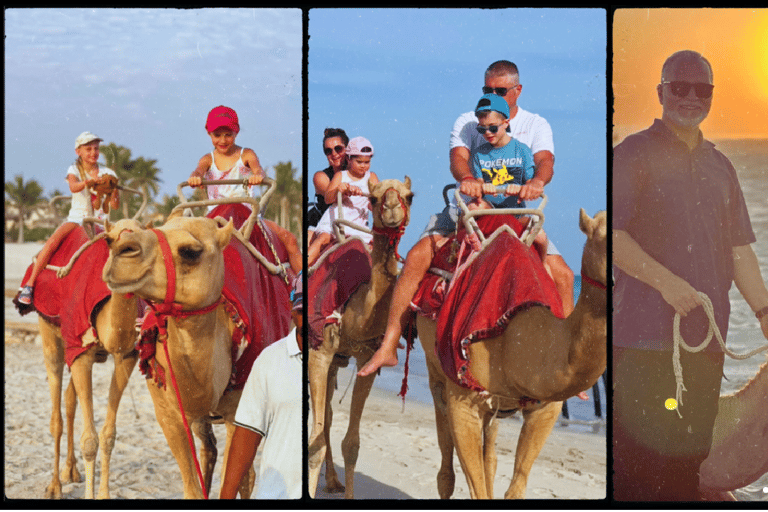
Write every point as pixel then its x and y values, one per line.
pixel 81 177
pixel 353 184
pixel 228 161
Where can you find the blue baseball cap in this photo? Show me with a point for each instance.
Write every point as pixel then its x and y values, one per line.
pixel 493 102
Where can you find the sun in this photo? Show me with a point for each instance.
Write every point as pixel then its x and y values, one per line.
pixel 756 51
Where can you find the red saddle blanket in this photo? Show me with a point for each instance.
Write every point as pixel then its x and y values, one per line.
pixel 505 278
pixel 257 301
pixel 72 301
pixel 333 283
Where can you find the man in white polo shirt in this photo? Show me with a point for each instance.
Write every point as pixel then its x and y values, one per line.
pixel 271 409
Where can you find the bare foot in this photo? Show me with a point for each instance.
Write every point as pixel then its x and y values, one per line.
pixel 379 359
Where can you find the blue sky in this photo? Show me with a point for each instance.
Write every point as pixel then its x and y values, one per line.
pixel 401 78
pixel 146 80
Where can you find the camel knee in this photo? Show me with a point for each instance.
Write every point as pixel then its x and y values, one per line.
pixel 107 438
pixel 350 448
pixel 89 445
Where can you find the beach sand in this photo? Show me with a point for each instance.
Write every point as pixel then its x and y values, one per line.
pixel 399 457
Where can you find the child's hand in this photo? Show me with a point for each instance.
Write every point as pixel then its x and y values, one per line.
pixel 471 187
pixel 355 191
pixel 195 181
pixel 90 182
pixel 512 190
pixel 255 179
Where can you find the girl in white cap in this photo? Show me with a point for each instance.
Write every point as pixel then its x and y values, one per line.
pixel 81 176
pixel 353 184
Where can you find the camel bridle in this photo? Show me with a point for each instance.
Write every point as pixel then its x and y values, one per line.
pixel 393 234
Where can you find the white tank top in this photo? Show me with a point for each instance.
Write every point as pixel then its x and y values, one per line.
pixel 239 171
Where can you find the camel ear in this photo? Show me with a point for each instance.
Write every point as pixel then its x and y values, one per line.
pixel 371 186
pixel 150 224
pixel 224 234
pixel 107 225
pixel 175 213
pixel 407 182
pixel 586 223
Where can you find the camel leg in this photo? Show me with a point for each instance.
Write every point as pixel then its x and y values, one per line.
pixel 466 427
pixel 247 483
pixel 332 483
pixel 537 426
pixel 208 452
pixel 319 364
pixel 490 430
pixel 446 478
pixel 123 368
pixel 169 418
pixel 350 446
pixel 53 353
pixel 82 376
pixel 70 472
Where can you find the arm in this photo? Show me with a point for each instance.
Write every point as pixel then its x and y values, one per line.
pixel 75 185
pixel 197 175
pixel 544 162
pixel 461 170
pixel 321 182
pixel 242 451
pixel 252 161
pixel 336 184
pixel 632 259
pixel 749 281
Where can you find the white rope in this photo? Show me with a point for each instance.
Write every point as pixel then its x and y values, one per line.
pixel 713 330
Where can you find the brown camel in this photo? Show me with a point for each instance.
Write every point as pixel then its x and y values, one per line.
pixel 115 325
pixel 739 453
pixel 357 334
pixel 514 365
pixel 199 339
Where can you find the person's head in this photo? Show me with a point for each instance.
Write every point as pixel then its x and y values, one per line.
pixel 502 78
pixel 335 142
pixel 359 154
pixel 87 149
pixel 685 91
pixel 222 126
pixel 493 119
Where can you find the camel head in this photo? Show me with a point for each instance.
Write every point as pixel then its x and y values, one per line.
pixel 391 203
pixel 137 264
pixel 594 261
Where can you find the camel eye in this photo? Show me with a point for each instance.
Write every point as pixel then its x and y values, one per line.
pixel 190 254
pixel 373 200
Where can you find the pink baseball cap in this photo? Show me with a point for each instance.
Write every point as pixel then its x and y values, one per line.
pixel 222 117
pixel 359 146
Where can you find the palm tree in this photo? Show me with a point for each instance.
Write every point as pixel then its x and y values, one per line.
pixel 164 208
pixel 286 206
pixel 24 196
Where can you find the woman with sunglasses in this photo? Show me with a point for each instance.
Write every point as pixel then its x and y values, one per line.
pixel 335 142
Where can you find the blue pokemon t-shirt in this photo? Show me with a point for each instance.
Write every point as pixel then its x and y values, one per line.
pixel 510 164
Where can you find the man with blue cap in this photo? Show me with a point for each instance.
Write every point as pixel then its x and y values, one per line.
pixel 271 408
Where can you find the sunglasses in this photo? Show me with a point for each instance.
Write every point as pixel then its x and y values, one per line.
pixel 338 149
pixel 681 89
pixel 499 91
pixel 491 128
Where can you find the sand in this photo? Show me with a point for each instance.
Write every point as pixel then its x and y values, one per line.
pixel 399 457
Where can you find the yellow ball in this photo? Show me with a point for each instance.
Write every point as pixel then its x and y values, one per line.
pixel 670 404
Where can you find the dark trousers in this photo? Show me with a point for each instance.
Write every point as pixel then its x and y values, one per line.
pixel 657 454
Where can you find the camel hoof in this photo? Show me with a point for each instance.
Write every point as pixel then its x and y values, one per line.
pixel 71 475
pixel 334 487
pixel 53 491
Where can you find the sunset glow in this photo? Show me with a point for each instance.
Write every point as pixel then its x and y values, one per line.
pixel 735 41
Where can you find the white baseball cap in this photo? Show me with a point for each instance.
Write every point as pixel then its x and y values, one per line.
pixel 85 138
pixel 359 146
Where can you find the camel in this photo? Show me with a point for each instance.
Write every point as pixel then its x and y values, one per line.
pixel 739 453
pixel 116 327
pixel 357 334
pixel 114 322
pixel 514 368
pixel 199 333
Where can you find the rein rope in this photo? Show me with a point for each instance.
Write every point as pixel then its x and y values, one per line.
pixel 713 330
pixel 169 308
